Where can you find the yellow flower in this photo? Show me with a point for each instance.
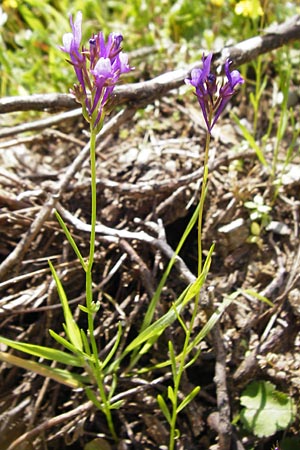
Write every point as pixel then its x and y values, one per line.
pixel 13 4
pixel 249 8
pixel 217 2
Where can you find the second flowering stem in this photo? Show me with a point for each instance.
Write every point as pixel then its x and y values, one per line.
pixel 202 200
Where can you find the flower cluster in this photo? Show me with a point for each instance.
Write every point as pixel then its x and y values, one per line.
pixel 249 8
pixel 97 68
pixel 213 99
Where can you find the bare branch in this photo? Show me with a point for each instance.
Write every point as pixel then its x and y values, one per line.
pixel 146 91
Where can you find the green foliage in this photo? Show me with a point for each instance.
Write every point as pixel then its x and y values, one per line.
pixel 266 410
pixel 31 32
pixel 71 328
pixel 31 62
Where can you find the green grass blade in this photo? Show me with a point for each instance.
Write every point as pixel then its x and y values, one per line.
pixel 61 376
pixel 163 406
pixel 73 331
pixel 155 298
pixel 188 399
pixel 71 240
pixel 68 345
pixel 43 352
pixel 251 141
pixel 114 348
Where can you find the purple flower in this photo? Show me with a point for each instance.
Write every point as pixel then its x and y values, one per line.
pixel 97 68
pixel 212 99
pixel 71 45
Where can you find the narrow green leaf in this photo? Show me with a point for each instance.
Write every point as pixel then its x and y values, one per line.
pixel 163 406
pixel 86 344
pixel 188 399
pixel 84 309
pixel 250 139
pixel 43 352
pixel 116 405
pixel 257 295
pixel 64 342
pixel 181 322
pixel 204 331
pixel 171 395
pixel 71 240
pixel 114 348
pixel 73 331
pixel 163 322
pixel 61 376
pixel 214 318
pixel 91 396
pixel 172 359
pixel 154 300
pixel 151 334
pixel 113 386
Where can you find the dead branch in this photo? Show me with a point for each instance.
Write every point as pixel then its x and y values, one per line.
pixel 147 91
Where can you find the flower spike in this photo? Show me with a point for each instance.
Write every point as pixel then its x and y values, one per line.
pixel 212 100
pixel 97 68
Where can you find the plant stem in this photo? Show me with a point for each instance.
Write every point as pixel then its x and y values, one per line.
pixel 201 202
pixel 188 331
pixel 89 282
pixel 91 306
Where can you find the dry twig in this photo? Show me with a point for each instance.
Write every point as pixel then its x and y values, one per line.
pixel 146 92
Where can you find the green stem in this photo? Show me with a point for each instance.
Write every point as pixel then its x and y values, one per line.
pixel 91 306
pixel 89 283
pixel 201 202
pixel 188 331
pixel 179 374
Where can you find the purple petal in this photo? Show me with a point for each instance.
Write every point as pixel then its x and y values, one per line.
pixel 103 68
pixel 236 78
pixel 76 28
pixel 233 77
pixel 67 42
pixel 220 109
pixel 206 66
pixel 195 78
pixel 124 66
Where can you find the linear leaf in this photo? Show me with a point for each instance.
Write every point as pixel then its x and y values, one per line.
pixel 248 136
pixel 171 395
pixel 65 343
pixel 70 239
pixel 188 399
pixel 73 330
pixel 43 352
pixel 61 376
pixel 163 406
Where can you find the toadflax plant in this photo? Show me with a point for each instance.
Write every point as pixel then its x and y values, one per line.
pixel 98 67
pixel 213 98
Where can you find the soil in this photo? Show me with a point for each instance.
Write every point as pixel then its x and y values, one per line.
pixel 149 178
